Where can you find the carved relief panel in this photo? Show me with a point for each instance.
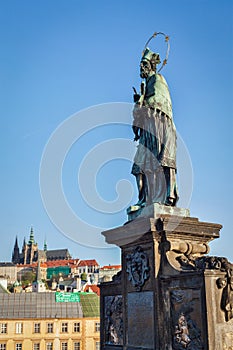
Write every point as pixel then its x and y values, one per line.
pixel 227 340
pixel 113 320
pixel 185 307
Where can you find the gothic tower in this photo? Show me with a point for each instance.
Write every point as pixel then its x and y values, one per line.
pixel 15 255
pixel 30 250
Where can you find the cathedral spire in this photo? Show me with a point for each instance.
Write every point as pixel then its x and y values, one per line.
pixel 16 243
pixel 45 246
pixel 24 243
pixel 31 239
pixel 15 255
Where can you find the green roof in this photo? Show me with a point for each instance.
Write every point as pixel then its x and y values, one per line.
pixel 44 305
pixel 54 271
pixel 90 304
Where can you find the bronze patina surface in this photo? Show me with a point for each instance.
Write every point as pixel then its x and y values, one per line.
pixel 155 160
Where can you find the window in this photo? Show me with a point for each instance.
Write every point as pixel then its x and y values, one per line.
pixel 49 346
pixel 64 327
pixel 97 345
pixel 76 326
pixel 64 346
pixel 19 328
pixel 3 328
pixel 36 327
pixel 36 346
pixel 49 327
pixel 18 346
pixel 97 327
pixel 2 346
pixel 77 346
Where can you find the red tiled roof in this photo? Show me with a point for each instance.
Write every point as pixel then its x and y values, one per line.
pixel 111 267
pixel 92 288
pixel 56 263
pixel 91 262
pixel 53 263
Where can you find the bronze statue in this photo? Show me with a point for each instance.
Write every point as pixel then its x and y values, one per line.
pixel 155 160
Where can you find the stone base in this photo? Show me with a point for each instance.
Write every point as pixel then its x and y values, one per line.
pixel 168 295
pixel 155 210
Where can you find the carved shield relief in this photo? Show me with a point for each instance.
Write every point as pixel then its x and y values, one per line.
pixel 137 267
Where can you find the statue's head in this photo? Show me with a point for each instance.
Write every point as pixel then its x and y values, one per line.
pixel 148 63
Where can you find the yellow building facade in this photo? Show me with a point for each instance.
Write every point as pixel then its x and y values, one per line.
pixel 54 329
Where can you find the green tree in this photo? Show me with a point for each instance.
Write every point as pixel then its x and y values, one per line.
pixel 28 278
pixel 84 276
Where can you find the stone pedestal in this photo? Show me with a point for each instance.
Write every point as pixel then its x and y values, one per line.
pixel 155 210
pixel 168 295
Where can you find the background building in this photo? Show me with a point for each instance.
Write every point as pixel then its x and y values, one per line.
pixel 30 252
pixel 36 321
pixel 57 270
pixel 107 272
pixel 9 271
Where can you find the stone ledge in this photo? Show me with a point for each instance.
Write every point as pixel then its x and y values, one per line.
pixel 176 228
pixel 155 210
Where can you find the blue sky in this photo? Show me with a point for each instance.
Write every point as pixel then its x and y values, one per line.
pixel 60 57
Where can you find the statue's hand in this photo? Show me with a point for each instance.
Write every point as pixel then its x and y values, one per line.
pixel 136 98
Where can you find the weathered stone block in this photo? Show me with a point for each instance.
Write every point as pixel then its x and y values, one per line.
pixel 173 296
